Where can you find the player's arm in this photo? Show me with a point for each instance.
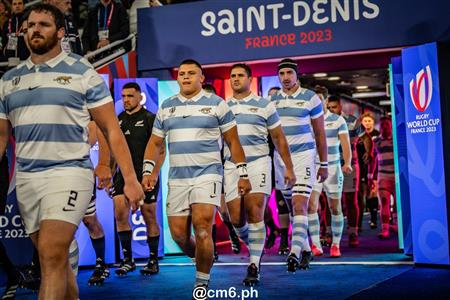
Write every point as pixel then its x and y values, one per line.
pixel 321 144
pixel 238 157
pixel 104 168
pixel 152 161
pixel 105 118
pixel 344 139
pixel 280 142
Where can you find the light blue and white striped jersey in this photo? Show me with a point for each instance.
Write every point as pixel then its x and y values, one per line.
pixel 296 112
pixel 255 116
pixel 193 127
pixel 47 105
pixel 334 126
pixel 384 150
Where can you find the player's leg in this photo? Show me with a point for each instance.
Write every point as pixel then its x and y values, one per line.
pixel 333 187
pixel 384 196
pixel 254 207
pixel 122 214
pixel 305 171
pixel 313 220
pixel 202 216
pixel 350 193
pixel 153 231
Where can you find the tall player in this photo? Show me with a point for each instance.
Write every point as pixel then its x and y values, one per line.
pixel 256 118
pixel 337 135
pixel 136 123
pixel 193 122
pixel 54 174
pixel 351 180
pixel 301 115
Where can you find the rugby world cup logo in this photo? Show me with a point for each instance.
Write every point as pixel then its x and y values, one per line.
pixel 421 89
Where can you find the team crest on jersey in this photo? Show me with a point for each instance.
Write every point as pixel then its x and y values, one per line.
pixel 206 110
pixel 253 109
pixel 64 80
pixel 15 81
pixel 300 103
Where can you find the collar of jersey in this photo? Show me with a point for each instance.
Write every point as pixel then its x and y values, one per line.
pixel 50 63
pixel 249 97
pixel 193 99
pixel 297 92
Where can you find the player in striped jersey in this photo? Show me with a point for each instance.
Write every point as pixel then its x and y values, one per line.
pixel 193 122
pixel 48 101
pixel 256 118
pixel 383 171
pixel 337 135
pixel 301 115
pixel 351 180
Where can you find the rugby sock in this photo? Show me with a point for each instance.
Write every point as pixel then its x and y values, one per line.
pixel 125 241
pixel 337 226
pixel 243 233
pixel 99 247
pixel 201 278
pixel 73 256
pixel 256 238
pixel 35 263
pixel 314 229
pixel 299 234
pixel 153 244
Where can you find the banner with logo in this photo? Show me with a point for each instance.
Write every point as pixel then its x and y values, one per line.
pixel 425 155
pixel 218 31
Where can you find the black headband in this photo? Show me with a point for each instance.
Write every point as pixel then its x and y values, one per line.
pixel 287 64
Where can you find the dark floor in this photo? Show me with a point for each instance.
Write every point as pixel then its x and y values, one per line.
pixel 375 270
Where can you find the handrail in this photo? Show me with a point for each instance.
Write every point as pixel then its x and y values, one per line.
pixel 32 3
pixel 100 63
pixel 109 46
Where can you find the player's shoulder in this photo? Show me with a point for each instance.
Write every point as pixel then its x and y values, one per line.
pixel 210 99
pixel 122 115
pixel 307 94
pixel 16 72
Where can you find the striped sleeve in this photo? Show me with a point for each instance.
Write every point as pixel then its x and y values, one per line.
pixel 316 107
pixel 342 126
pixel 97 92
pixel 273 120
pixel 158 125
pixel 225 116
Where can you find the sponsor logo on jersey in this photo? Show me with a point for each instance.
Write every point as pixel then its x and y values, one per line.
pixel 421 89
pixel 139 123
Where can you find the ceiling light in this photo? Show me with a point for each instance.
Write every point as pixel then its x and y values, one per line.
pixel 362 87
pixel 369 95
pixel 344 83
pixel 317 75
pixel 385 102
pixel 334 78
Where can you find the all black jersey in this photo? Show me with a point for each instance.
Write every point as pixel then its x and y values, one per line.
pixel 137 129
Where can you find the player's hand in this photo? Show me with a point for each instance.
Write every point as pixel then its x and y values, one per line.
pixel 149 182
pixel 134 194
pixel 289 178
pixel 244 186
pixel 322 174
pixel 347 169
pixel 366 158
pixel 103 174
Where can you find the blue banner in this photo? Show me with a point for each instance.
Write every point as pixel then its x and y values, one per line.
pixel 425 155
pixel 218 31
